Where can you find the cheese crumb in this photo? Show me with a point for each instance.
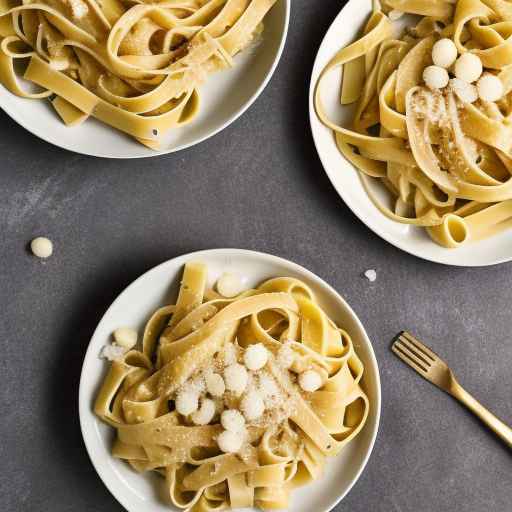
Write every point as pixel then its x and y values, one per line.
pixel 310 381
pixel 206 412
pixel 235 378
pixel 230 354
pixel 252 405
pixel 196 385
pixel 232 420
pixel 371 275
pixel 230 442
pixel 79 8
pixel 125 337
pixel 256 357
pixel 41 247
pixel 268 389
pixel 285 356
pixel 112 352
pixel 215 384
pixel 187 402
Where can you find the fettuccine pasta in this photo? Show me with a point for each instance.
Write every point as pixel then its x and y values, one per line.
pixel 299 366
pixel 134 65
pixel 444 152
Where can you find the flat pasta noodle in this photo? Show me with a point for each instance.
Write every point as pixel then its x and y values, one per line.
pixel 445 163
pixel 135 66
pixel 287 446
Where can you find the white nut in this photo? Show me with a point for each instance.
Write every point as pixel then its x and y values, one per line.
pixel 206 412
pixel 230 285
pixel 467 93
pixel 125 337
pixel 435 77
pixel 310 381
pixel 252 406
pixel 215 384
pixel 444 53
pixel 235 378
pixel 41 247
pixel 230 442
pixel 468 67
pixel 255 356
pixel 187 402
pixel 490 87
pixel 232 420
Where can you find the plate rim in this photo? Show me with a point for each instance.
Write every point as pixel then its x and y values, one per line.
pixel 84 400
pixel 381 232
pixel 234 117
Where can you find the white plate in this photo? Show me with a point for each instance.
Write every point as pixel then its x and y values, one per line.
pixel 224 97
pixel 142 493
pixel 344 30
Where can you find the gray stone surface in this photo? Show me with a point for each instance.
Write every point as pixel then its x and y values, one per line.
pixel 257 185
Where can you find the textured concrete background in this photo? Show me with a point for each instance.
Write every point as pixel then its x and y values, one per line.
pixel 257 185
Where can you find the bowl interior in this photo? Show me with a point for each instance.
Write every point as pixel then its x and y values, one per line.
pixel 224 97
pixel 345 29
pixel 158 287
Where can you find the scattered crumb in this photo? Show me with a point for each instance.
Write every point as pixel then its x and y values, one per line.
pixel 371 275
pixel 41 247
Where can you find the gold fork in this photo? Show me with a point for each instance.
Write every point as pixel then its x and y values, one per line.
pixel 430 366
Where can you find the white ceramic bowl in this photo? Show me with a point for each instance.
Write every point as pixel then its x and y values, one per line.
pixel 344 30
pixel 142 493
pixel 224 97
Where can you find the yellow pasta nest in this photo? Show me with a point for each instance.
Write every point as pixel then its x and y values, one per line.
pixel 271 451
pixel 133 65
pixel 444 155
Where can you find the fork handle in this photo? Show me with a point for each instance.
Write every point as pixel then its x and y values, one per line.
pixel 496 425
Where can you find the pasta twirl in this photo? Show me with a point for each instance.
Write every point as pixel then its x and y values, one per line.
pixel 443 152
pixel 146 392
pixel 135 66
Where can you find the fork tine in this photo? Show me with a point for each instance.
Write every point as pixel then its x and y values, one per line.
pixel 405 350
pixel 407 360
pixel 426 360
pixel 419 345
